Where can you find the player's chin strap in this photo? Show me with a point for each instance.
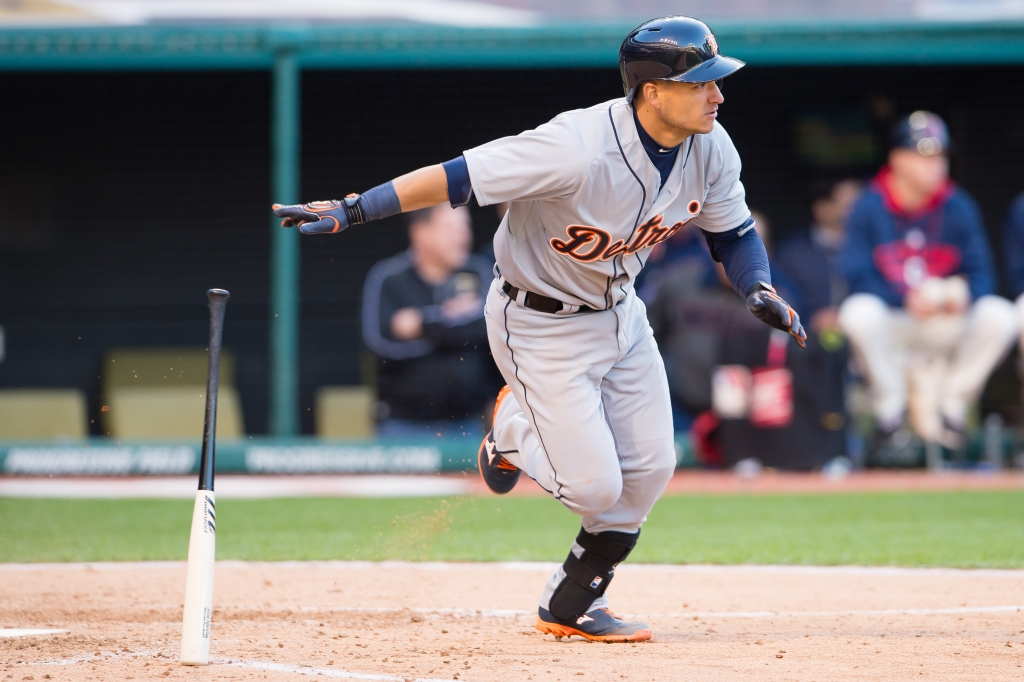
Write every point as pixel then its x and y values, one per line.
pixel 587 575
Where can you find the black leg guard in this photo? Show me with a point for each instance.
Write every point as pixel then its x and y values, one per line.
pixel 587 577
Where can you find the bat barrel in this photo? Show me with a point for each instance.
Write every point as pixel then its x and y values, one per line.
pixel 218 304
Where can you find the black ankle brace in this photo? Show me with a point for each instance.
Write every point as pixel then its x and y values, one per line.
pixel 587 576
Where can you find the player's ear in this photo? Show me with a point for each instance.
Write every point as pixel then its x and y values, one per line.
pixel 650 94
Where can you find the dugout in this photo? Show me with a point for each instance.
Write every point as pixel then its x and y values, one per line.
pixel 138 163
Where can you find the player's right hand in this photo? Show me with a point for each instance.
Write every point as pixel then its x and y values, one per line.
pixel 315 217
pixel 767 306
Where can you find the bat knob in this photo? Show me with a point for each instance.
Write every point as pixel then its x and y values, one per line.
pixel 218 293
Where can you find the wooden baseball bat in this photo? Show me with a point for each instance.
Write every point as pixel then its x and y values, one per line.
pixel 195 624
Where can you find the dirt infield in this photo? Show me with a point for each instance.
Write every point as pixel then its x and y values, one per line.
pixel 704 482
pixel 694 481
pixel 395 621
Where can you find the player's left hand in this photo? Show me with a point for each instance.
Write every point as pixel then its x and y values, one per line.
pixel 767 306
pixel 315 217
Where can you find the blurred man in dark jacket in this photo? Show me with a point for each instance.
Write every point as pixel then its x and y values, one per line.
pixel 692 308
pixel 1013 246
pixel 1013 258
pixel 811 260
pixel 922 316
pixel 700 325
pixel 423 317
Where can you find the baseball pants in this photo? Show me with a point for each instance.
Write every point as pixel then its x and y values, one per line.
pixel 941 364
pixel 589 417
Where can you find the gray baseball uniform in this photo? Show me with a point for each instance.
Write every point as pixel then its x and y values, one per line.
pixel 589 418
pixel 587 411
pixel 587 203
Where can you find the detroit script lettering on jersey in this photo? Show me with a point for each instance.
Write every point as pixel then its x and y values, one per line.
pixel 587 244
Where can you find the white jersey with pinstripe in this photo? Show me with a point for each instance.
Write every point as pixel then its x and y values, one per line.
pixel 587 205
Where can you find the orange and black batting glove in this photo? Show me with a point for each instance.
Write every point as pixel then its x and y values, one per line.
pixel 767 306
pixel 320 217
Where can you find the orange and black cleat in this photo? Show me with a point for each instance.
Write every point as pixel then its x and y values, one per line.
pixel 498 473
pixel 599 625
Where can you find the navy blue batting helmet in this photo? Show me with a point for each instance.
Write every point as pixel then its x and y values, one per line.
pixel 672 49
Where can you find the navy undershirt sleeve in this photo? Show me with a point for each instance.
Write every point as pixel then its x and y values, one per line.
pixel 742 253
pixel 459 188
pixel 663 159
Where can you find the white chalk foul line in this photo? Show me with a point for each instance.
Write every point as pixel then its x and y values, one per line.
pixel 458 613
pixel 326 672
pixel 547 567
pixel 825 614
pixel 23 632
pixel 259 665
pixel 516 613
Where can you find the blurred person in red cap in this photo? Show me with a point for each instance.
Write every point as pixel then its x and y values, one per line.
pixel 922 316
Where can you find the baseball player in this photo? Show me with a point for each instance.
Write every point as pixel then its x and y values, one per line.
pixel 923 317
pixel 586 412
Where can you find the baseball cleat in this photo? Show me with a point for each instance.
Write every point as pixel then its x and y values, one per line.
pixel 895 444
pixel 498 473
pixel 954 434
pixel 599 625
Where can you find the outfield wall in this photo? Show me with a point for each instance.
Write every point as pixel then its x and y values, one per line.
pixel 106 457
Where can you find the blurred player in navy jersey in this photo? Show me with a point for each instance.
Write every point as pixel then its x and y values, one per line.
pixel 922 316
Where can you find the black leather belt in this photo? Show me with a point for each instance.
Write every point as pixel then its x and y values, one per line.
pixel 544 304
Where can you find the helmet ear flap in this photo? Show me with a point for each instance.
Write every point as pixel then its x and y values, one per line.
pixel 640 72
pixel 635 74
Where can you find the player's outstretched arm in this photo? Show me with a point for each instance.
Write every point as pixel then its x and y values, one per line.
pixel 421 188
pixel 742 253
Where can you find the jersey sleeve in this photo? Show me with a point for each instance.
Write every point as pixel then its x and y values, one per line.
pixel 725 206
pixel 544 163
pixel 975 254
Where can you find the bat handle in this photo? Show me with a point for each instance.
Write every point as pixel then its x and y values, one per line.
pixel 218 304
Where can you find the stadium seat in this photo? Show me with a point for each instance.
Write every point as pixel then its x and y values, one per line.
pixel 42 414
pixel 345 412
pixel 161 393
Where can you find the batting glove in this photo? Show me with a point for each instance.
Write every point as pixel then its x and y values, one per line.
pixel 767 306
pixel 320 217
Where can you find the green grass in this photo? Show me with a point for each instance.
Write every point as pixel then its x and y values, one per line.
pixel 967 529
